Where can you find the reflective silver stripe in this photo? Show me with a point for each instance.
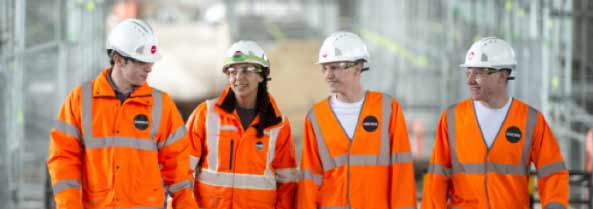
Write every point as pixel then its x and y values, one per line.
pixel 193 161
pixel 228 128
pixel 173 137
pixel 179 186
pixel 340 160
pixel 212 127
pixel 550 169
pixel 401 157
pixel 510 169
pixel 554 205
pixel 493 167
pixel 451 133
pixel 386 118
pixel 67 128
pixel 435 168
pixel 374 160
pixel 362 160
pixel 286 175
pixel 87 113
pixel 157 109
pixel 529 126
pixel 326 161
pixel 273 137
pixel 120 141
pixel 65 184
pixel 307 174
pixel 235 180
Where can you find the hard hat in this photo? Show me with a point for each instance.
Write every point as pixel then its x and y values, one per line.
pixel 490 52
pixel 343 46
pixel 135 39
pixel 245 52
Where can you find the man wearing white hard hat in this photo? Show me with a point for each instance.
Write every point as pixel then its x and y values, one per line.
pixel 356 151
pixel 117 140
pixel 485 145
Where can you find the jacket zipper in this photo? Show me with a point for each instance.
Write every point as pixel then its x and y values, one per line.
pixel 231 155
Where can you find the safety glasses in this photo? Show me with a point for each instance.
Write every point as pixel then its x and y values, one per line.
pixel 338 66
pixel 232 71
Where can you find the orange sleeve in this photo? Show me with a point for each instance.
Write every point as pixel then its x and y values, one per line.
pixel 552 176
pixel 174 156
pixel 196 126
pixel 403 186
pixel 65 153
pixel 437 180
pixel 311 170
pixel 285 167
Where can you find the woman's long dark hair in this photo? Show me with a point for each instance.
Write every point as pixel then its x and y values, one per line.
pixel 267 116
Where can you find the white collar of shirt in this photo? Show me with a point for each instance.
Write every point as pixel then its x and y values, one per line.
pixel 346 113
pixel 491 120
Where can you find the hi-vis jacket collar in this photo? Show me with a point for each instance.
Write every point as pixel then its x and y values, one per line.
pixel 102 88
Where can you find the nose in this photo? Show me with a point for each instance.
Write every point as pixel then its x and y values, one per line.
pixel 148 67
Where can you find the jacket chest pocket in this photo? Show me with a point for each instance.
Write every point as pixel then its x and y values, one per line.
pixel 253 154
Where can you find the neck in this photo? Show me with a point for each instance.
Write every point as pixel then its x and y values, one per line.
pixel 354 95
pixel 246 102
pixel 496 102
pixel 122 85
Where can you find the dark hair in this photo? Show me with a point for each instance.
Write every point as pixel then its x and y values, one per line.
pixel 267 116
pixel 111 53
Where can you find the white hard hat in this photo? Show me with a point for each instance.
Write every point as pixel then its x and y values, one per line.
pixel 135 39
pixel 490 52
pixel 343 46
pixel 246 52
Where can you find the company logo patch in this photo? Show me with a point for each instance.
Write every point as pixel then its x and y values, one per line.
pixel 141 122
pixel 470 56
pixel 153 49
pixel 370 123
pixel 259 145
pixel 513 134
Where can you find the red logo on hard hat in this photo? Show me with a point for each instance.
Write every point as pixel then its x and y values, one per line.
pixel 324 55
pixel 470 56
pixel 153 49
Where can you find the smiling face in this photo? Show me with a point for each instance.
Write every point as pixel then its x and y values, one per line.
pixel 485 84
pixel 244 79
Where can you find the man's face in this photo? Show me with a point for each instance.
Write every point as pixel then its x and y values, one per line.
pixel 484 83
pixel 341 76
pixel 135 72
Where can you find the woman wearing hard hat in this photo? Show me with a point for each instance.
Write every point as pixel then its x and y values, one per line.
pixel 242 148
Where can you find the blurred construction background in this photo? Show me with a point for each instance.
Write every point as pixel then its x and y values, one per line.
pixel 49 46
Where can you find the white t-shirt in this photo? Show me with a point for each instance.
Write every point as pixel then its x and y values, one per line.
pixel 490 120
pixel 347 113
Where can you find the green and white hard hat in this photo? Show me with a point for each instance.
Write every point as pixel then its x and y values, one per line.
pixel 245 52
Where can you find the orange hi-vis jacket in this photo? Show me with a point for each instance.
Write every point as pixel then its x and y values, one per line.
pixel 235 168
pixel 373 170
pixel 108 154
pixel 465 173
